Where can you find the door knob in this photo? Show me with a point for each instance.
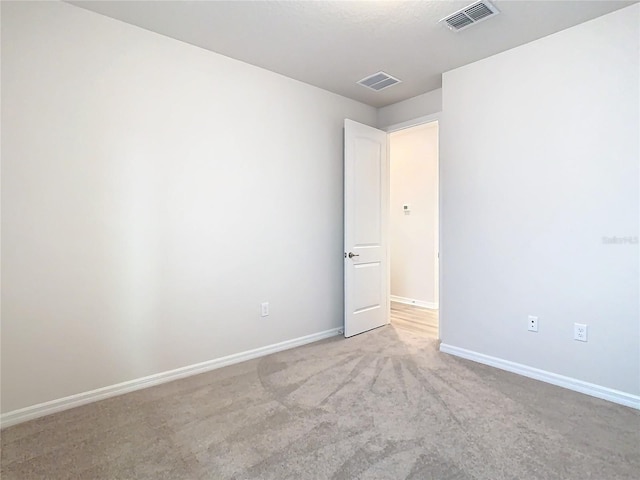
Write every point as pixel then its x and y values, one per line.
pixel 351 255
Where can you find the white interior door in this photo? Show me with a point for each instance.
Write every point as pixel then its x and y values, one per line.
pixel 366 258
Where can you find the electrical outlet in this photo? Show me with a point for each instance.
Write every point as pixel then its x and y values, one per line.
pixel 580 332
pixel 532 324
pixel 264 309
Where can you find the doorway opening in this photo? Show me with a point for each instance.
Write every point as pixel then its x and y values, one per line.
pixel 413 229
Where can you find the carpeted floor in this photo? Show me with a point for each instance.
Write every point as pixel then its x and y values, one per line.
pixel 382 405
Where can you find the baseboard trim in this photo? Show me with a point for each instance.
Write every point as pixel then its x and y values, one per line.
pixel 598 391
pixel 411 301
pixel 47 408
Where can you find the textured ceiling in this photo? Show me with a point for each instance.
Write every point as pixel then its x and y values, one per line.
pixel 333 44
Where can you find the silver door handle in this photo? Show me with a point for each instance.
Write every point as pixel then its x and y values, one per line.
pixel 351 255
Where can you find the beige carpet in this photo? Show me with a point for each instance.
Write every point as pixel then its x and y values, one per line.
pixel 382 405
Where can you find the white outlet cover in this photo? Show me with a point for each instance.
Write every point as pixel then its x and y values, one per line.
pixel 580 332
pixel 532 323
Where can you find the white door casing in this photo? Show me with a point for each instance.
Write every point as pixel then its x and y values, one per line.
pixel 366 203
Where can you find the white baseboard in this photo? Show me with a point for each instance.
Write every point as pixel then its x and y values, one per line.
pixel 570 383
pixel 411 301
pixel 47 408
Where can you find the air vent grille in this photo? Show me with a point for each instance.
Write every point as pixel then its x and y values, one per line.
pixel 379 81
pixel 474 13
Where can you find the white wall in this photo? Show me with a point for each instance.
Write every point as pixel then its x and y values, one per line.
pixel 540 161
pixel 153 194
pixel 420 106
pixel 413 236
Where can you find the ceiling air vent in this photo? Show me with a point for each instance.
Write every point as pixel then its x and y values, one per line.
pixel 379 81
pixel 474 13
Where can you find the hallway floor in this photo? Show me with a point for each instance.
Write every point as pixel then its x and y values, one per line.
pixel 423 321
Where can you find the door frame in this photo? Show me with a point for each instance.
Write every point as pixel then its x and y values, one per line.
pixel 435 117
